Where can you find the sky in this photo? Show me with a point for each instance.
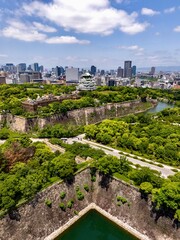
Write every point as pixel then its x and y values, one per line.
pixel 81 33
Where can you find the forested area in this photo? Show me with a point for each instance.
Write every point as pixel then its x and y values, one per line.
pixel 140 134
pixel 28 167
pixel 12 96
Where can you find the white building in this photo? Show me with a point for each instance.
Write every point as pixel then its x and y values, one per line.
pixel 72 75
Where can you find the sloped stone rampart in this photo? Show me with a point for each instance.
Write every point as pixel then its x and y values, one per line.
pixel 35 220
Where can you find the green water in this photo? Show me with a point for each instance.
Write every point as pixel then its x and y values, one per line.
pixel 94 226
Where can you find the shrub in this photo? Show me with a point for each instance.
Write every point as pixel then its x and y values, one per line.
pixel 70 204
pixel 93 179
pixel 48 203
pixel 86 187
pixel 76 212
pixel 80 195
pixel 62 195
pixel 121 199
pixel 62 206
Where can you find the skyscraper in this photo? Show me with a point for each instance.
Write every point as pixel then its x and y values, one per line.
pixel 93 70
pixel 21 67
pixel 127 69
pixel 133 71
pixel 35 67
pixel 59 71
pixel 120 72
pixel 152 72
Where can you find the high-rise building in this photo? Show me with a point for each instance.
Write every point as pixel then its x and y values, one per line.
pixel 102 72
pixel 134 71
pixel 93 70
pixel 10 68
pixel 152 72
pixel 35 67
pixel 72 75
pixel 120 72
pixel 127 69
pixel 59 71
pixel 21 67
pixel 41 68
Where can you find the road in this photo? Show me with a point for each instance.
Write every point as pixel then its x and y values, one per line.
pixel 165 170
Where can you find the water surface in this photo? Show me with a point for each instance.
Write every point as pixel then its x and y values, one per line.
pixel 159 107
pixel 94 226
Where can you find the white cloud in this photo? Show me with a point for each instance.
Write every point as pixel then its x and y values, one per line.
pixel 132 48
pixel 170 10
pixel 157 33
pixel 3 55
pixel 66 40
pixel 27 35
pixel 32 32
pixel 177 29
pixel 44 28
pixel 149 12
pixel 97 17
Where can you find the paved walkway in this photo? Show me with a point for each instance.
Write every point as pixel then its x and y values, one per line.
pixel 165 170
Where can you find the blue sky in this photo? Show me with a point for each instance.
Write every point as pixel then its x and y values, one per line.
pixel 82 33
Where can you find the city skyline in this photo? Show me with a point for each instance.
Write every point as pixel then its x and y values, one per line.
pixel 84 33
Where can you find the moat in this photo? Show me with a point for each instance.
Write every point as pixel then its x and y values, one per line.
pixel 95 226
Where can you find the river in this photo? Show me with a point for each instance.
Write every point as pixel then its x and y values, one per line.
pixel 159 107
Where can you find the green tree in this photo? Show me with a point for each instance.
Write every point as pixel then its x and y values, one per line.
pixel 167 197
pixel 64 165
pixel 146 188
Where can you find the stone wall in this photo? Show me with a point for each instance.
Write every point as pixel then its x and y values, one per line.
pixel 35 220
pixel 79 117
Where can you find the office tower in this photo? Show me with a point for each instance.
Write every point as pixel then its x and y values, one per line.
pixel 41 68
pixel 152 72
pixel 134 71
pixel 72 75
pixel 21 67
pixel 127 69
pixel 59 71
pixel 35 67
pixel 112 72
pixel 102 72
pixel 10 68
pixel 93 70
pixel 120 72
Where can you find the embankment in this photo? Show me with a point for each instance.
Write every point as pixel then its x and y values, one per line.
pixel 82 116
pixel 36 220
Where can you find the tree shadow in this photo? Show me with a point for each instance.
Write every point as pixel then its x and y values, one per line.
pixel 69 180
pixel 105 181
pixel 14 215
pixel 163 212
